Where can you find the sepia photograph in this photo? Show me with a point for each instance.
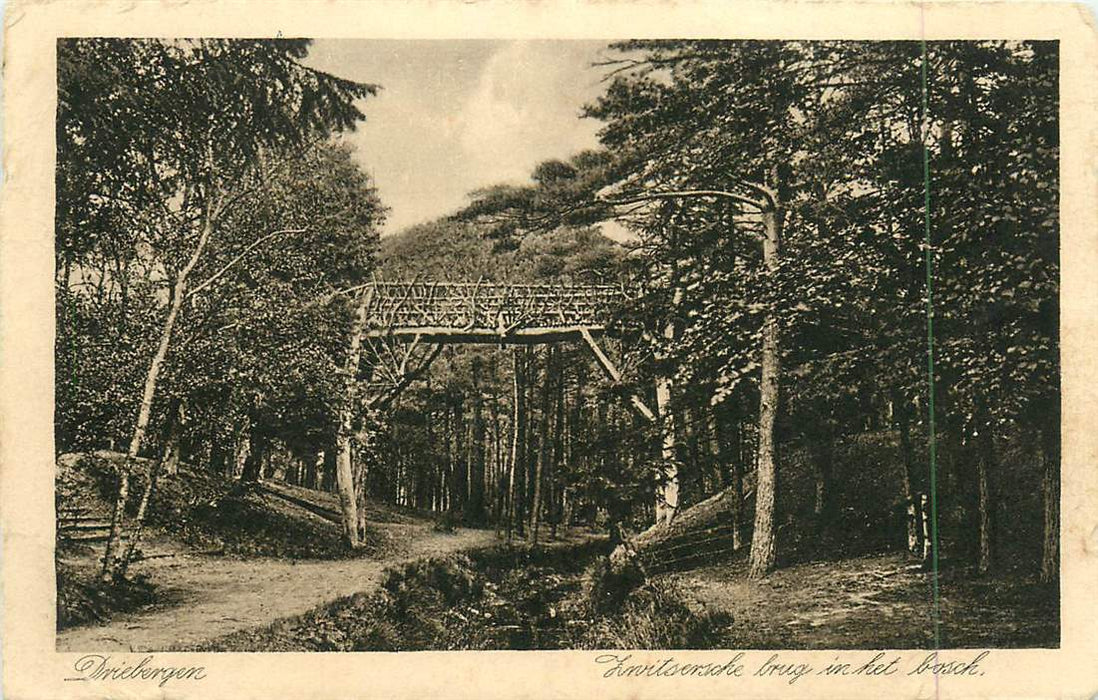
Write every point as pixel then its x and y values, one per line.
pixel 456 345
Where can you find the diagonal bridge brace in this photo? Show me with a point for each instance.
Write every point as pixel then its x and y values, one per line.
pixel 612 372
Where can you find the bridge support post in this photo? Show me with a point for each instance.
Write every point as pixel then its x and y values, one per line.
pixel 345 481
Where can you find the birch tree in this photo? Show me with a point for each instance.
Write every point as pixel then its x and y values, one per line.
pixel 170 140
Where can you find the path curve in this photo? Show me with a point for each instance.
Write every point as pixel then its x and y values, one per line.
pixel 215 596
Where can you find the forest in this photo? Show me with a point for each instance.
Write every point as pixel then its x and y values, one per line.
pixel 835 334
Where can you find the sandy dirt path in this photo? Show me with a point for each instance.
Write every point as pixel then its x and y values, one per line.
pixel 208 597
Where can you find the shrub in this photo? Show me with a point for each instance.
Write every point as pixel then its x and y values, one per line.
pixel 656 616
pixel 446 522
pixel 608 581
pixel 83 598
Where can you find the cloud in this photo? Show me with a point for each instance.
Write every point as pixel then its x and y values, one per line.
pixel 524 109
pixel 454 116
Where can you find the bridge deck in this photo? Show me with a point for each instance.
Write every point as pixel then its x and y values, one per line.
pixel 491 313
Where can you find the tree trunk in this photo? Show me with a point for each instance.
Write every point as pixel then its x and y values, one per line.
pixel 667 492
pixel 559 431
pixel 736 488
pixel 577 436
pixel 478 463
pixel 693 435
pixel 498 470
pixel 361 475
pixel 344 466
pixel 911 495
pixel 459 487
pixel 179 291
pixel 1048 448
pixel 543 445
pixel 431 464
pixel 172 455
pixel 927 554
pixel 267 469
pixel 763 546
pixel 328 473
pixel 518 438
pixel 345 485
pixel 531 446
pixel 983 558
pixel 535 503
pixel 468 466
pixel 112 566
pixel 173 449
pixel 253 463
pixel 717 458
pixel 985 466
pixel 313 469
pixel 522 466
pixel 241 450
pixel 139 520
pixel 447 470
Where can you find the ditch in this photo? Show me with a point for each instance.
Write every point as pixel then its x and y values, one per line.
pixel 520 598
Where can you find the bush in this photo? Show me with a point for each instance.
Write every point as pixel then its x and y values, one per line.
pixel 446 522
pixel 500 598
pixel 83 598
pixel 656 616
pixel 608 581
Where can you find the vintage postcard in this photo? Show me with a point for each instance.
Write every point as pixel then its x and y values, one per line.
pixel 549 350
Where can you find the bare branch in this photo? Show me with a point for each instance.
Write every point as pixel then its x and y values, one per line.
pixel 680 194
pixel 381 402
pixel 240 257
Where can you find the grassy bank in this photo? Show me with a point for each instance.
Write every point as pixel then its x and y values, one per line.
pixel 207 511
pixel 194 511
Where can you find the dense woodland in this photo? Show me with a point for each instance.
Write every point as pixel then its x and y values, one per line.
pixel 839 267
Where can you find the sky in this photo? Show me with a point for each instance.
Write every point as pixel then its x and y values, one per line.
pixel 454 116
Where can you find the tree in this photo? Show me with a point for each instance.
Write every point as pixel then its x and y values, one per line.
pixel 995 218
pixel 816 150
pixel 733 122
pixel 779 290
pixel 164 144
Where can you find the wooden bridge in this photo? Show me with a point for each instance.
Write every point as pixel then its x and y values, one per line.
pixel 488 312
pixel 433 314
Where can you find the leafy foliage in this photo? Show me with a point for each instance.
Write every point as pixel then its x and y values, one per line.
pixel 704 137
pixel 762 185
pixel 155 137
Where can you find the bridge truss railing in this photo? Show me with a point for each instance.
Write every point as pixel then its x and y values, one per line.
pixel 496 312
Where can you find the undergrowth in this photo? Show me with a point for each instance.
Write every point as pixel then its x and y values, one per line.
pixel 213 513
pixel 82 598
pixel 499 598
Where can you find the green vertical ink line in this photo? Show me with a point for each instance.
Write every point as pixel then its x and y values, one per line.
pixel 932 446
